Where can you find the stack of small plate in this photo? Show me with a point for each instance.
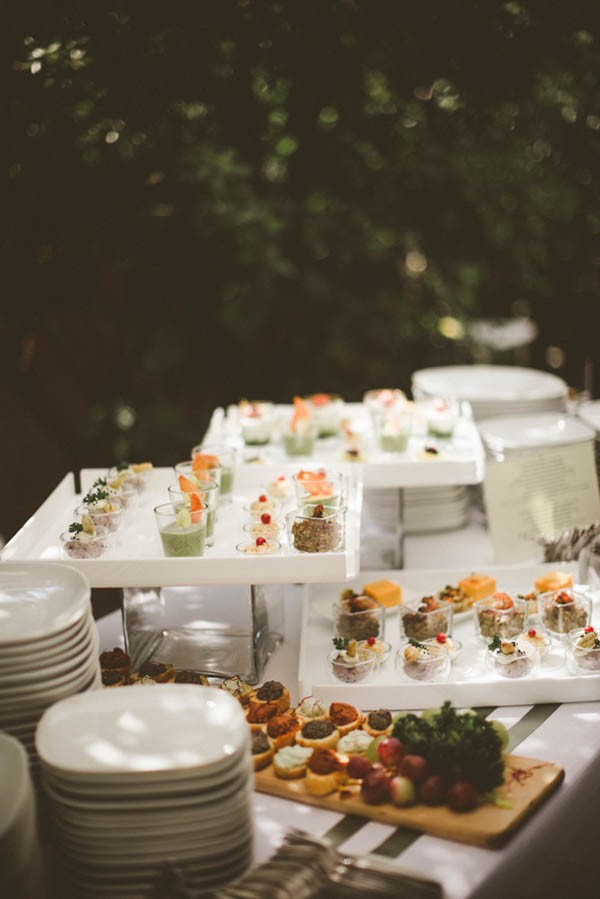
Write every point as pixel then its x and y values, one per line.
pixel 435 508
pixel 48 643
pixel 20 855
pixel 493 389
pixel 146 780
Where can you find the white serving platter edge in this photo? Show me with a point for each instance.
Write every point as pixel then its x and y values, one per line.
pixel 138 561
pixel 467 685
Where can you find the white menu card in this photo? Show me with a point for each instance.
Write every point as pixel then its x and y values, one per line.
pixel 537 493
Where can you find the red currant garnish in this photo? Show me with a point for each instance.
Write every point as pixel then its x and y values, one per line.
pixel 265 518
pixel 281 477
pixel 589 629
pixel 441 638
pixel 371 641
pixel 531 632
pixel 260 541
pixel 262 498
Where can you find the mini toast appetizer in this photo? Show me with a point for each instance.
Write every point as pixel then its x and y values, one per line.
pixel 290 762
pixel 282 729
pixel 325 772
pixel 355 743
pixel 160 672
pixel 318 734
pixel 113 678
pixel 344 716
pixel 262 749
pixel 115 660
pixel 378 722
pixel 186 676
pixel 271 691
pixel 237 688
pixel 261 714
pixel 310 708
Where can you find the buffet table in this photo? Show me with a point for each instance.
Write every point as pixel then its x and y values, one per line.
pixel 552 855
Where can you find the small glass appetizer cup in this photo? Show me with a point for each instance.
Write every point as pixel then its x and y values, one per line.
pixel 327 411
pixel 539 641
pixel 263 503
pixel 215 455
pixel 424 619
pixel 319 486
pixel 449 645
pixel 392 430
pixel 281 489
pixel 583 646
pixel 110 520
pixel 85 546
pixel 500 615
pixel 199 475
pixel 316 529
pixel 519 663
pixel 256 422
pixel 208 493
pixel 358 618
pixel 299 441
pixel 352 672
pixel 441 416
pixel 183 533
pixel 260 546
pixel 139 477
pixel 422 662
pixel 564 610
pixel 381 649
pixel 259 528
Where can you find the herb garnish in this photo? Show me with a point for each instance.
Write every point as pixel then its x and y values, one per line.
pixel 75 528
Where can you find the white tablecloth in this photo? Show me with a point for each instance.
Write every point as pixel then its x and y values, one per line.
pixel 553 855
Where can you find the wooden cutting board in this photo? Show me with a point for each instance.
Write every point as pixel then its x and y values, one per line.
pixel 527 784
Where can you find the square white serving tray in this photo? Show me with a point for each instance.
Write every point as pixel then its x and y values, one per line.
pixel 137 560
pixel 461 459
pixel 470 682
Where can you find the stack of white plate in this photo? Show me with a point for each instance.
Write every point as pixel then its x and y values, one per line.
pixel 589 413
pixel 143 781
pixel 512 434
pixel 493 389
pixel 20 856
pixel 48 643
pixel 435 508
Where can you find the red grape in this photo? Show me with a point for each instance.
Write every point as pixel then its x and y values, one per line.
pixel 375 787
pixel 414 767
pixel 433 790
pixel 390 751
pixel 358 767
pixel 462 796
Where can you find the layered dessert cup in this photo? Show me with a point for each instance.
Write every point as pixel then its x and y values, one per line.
pixel 106 513
pixel 564 611
pixel 424 619
pixel 313 486
pixel 584 649
pixel 316 529
pixel 207 492
pixel 213 456
pixel 199 473
pixel 510 658
pixel 137 475
pixel 392 430
pixel 299 433
pixel 350 664
pixel 423 662
pixel 182 531
pixel 256 422
pixel 83 540
pixel 358 617
pixel 500 615
pixel 441 416
pixel 327 411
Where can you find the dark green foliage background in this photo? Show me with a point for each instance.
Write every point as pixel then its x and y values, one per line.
pixel 215 199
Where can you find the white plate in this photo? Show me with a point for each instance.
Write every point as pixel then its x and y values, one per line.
pixel 14 781
pixel 489 383
pixel 134 730
pixel 39 691
pixel 141 789
pixel 30 709
pixel 37 601
pixel 51 675
pixel 40 651
pixel 528 432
